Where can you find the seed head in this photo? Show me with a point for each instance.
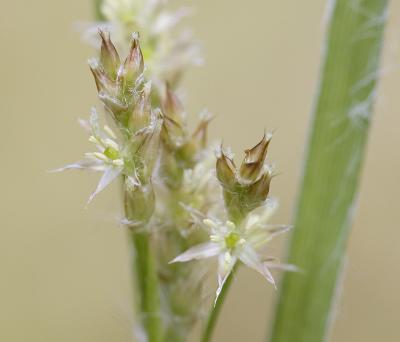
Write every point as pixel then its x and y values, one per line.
pixel 254 159
pixel 248 188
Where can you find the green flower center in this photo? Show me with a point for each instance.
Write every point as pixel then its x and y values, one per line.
pixel 111 153
pixel 231 240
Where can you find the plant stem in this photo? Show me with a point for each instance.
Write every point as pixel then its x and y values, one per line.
pixel 147 295
pixel 332 171
pixel 147 286
pixel 214 313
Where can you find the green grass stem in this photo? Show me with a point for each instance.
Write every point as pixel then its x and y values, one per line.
pixel 334 155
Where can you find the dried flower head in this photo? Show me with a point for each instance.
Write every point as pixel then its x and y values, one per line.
pixel 247 188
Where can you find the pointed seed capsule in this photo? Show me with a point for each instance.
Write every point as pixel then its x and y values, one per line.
pixel 109 57
pixel 258 191
pixel 133 65
pixel 226 170
pixel 254 159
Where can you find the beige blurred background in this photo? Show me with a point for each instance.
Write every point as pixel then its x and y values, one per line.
pixel 64 270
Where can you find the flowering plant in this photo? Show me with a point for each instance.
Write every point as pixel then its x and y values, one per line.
pixel 184 200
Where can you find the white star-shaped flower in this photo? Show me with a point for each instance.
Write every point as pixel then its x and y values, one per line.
pixel 108 159
pixel 231 243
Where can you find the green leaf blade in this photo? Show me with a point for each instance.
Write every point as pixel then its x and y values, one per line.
pixel 335 152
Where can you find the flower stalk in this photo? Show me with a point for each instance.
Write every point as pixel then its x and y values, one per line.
pixel 215 311
pixel 145 272
pixel 147 285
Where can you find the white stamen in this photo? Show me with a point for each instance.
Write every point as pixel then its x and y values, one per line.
pixel 215 238
pixel 110 132
pixel 93 140
pixel 100 156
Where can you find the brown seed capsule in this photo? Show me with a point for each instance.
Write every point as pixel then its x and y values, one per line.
pixel 248 190
pixel 103 82
pixel 254 159
pixel 257 192
pixel 133 65
pixel 226 170
pixel 109 57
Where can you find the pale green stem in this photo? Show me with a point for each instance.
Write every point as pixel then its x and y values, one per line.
pixel 144 263
pixel 146 294
pixel 145 274
pixel 334 158
pixel 215 311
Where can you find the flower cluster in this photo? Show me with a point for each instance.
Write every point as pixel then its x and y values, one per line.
pixel 133 150
pixel 245 231
pixel 167 50
pixel 181 201
pixel 148 146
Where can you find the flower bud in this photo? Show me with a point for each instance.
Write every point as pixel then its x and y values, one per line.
pixel 139 201
pixel 189 152
pixel 103 82
pixel 146 144
pixel 114 105
pixel 133 65
pixel 108 55
pixel 172 107
pixel 172 134
pixel 140 114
